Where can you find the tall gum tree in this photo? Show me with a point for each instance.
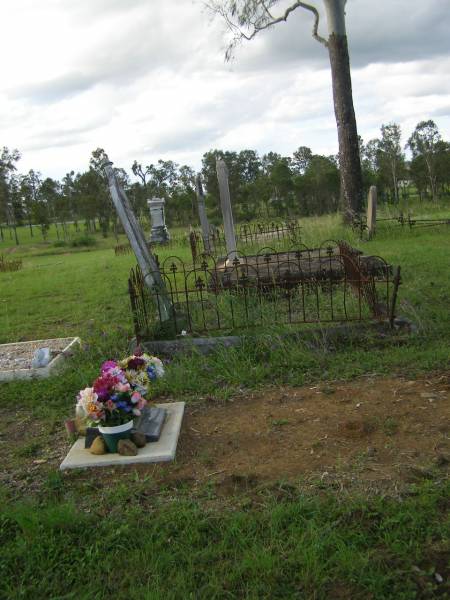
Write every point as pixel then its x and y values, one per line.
pixel 246 18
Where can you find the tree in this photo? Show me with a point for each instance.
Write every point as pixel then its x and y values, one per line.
pixel 390 155
pixel 246 18
pixel 425 141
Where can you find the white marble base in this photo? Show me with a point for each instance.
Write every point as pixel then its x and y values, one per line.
pixel 160 451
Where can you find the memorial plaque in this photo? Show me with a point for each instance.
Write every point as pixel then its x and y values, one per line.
pixel 151 422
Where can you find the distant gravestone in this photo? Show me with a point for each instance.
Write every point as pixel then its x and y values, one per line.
pixel 372 211
pixel 206 231
pixel 227 212
pixel 145 258
pixel 159 233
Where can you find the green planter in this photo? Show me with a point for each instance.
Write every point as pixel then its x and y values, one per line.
pixel 112 435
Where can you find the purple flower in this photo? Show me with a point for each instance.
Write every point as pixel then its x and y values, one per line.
pixel 135 362
pixel 109 365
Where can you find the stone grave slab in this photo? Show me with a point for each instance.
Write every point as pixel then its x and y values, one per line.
pixel 161 451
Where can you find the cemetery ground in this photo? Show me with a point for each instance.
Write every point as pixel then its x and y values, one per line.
pixel 305 469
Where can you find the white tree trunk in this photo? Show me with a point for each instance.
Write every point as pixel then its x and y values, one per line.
pixel 335 10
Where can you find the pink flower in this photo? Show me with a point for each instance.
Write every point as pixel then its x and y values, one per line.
pixel 122 387
pixel 142 402
pixel 135 397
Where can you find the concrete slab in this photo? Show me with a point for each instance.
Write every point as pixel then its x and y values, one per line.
pixel 161 451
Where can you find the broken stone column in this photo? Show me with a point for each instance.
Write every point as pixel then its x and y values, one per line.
pixel 372 211
pixel 159 233
pixel 147 262
pixel 206 233
pixel 227 213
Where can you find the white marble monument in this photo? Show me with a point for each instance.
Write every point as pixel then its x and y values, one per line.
pixel 159 233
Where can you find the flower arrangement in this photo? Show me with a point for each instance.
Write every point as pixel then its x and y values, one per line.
pixel 120 392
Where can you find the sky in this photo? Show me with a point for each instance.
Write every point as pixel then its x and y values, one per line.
pixel 147 80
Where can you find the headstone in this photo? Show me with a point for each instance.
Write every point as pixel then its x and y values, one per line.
pixel 372 211
pixel 227 213
pixel 206 233
pixel 41 358
pixel 151 422
pixel 159 233
pixel 147 262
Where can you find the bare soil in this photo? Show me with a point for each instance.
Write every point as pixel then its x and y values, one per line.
pixel 376 433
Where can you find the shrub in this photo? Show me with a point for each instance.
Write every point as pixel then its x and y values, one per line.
pixel 84 240
pixel 59 244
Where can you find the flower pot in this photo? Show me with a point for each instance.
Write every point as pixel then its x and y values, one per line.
pixel 112 435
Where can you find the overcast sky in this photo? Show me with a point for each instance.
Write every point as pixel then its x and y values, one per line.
pixel 146 79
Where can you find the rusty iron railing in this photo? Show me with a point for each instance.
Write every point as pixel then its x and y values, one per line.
pixel 332 283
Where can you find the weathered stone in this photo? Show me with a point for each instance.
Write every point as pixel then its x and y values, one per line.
pixel 225 205
pixel 159 233
pixel 98 446
pixel 127 448
pixel 91 433
pixel 372 211
pixel 151 422
pixel 139 439
pixel 41 358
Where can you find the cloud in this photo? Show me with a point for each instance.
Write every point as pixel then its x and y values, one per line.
pixel 147 80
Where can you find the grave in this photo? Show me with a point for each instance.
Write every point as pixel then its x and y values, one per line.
pixel 159 233
pixel 16 358
pixel 163 450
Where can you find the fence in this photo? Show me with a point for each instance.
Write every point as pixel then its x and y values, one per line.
pixel 333 283
pixel 359 222
pixel 281 233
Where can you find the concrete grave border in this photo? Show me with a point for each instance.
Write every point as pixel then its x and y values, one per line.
pixel 42 372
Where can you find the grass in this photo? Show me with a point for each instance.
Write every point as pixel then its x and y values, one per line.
pixel 164 547
pixel 122 536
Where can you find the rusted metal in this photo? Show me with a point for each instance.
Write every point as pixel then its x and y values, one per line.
pixel 397 281
pixel 332 283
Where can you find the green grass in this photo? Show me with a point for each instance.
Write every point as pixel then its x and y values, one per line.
pixel 124 537
pixel 175 548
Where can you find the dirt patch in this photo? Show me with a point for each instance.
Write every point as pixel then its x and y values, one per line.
pixel 373 429
pixel 372 432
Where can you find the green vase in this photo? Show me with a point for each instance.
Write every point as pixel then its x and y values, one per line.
pixel 112 435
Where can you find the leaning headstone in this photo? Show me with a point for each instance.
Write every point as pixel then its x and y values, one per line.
pixel 159 233
pixel 146 260
pixel 225 204
pixel 372 211
pixel 203 217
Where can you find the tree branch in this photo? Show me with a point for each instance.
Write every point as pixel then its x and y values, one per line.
pixel 256 16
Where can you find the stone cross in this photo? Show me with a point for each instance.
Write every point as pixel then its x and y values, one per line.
pixel 202 214
pixel 145 258
pixel 227 213
pixel 372 211
pixel 159 233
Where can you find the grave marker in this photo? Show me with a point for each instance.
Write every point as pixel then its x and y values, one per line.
pixel 159 233
pixel 372 211
pixel 202 214
pixel 145 258
pixel 227 213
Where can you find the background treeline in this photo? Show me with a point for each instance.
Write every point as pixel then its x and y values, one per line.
pixel 267 186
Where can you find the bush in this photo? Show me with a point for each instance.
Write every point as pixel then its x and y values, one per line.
pixel 59 244
pixel 84 240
